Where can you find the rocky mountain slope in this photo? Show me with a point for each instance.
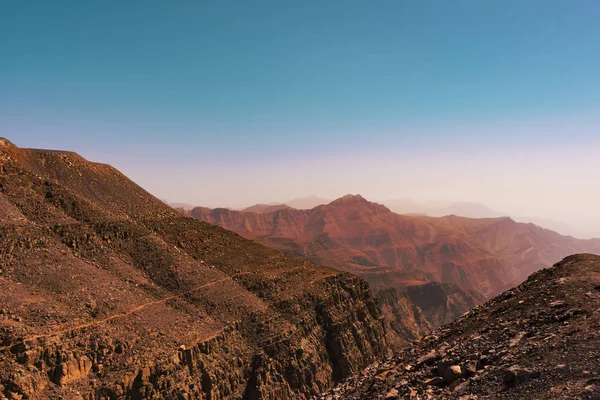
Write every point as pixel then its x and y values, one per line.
pixel 108 293
pixel 540 340
pixel 392 250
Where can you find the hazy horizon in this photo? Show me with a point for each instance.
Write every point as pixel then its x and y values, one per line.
pixel 235 104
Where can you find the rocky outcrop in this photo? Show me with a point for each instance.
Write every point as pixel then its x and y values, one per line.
pixel 537 341
pixel 108 293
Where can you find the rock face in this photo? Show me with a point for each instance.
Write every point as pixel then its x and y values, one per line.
pixel 488 255
pixel 516 346
pixel 413 311
pixel 442 303
pixel 108 293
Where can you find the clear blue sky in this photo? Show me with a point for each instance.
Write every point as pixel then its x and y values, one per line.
pixel 212 84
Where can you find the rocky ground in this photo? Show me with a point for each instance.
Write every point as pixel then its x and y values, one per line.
pixel 540 340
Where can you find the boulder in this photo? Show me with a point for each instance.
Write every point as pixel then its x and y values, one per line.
pixel 515 375
pixel 469 369
pixel 442 367
pixel 392 395
pixel 436 381
pixel 452 373
pixel 429 358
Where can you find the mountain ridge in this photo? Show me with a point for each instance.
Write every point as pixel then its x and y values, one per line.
pixel 106 292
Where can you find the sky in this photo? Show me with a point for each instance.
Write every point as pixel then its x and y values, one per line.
pixel 230 103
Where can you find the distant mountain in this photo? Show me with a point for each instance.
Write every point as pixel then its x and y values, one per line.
pixel 265 208
pixel 301 233
pixel 300 203
pixel 390 250
pixel 558 226
pixel 306 203
pixel 183 206
pixel 478 210
pixel 440 209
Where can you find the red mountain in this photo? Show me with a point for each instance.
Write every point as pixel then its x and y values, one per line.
pixel 487 255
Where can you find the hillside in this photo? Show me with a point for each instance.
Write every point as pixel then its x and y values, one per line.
pixel 108 293
pixel 540 340
pixel 390 250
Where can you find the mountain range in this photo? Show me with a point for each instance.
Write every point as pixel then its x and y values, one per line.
pixel 106 292
pixel 486 255
pixel 434 208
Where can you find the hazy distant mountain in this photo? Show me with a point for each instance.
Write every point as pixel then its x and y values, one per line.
pixel 440 208
pixel 185 206
pixel 558 226
pixel 425 271
pixel 316 235
pixel 264 208
pixel 306 203
pixel 477 210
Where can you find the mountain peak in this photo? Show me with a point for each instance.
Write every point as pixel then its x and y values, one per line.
pixel 350 199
